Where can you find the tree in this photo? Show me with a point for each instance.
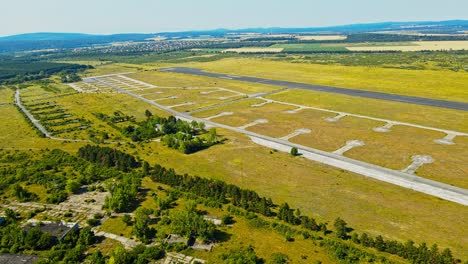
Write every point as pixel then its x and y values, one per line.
pixel 148 114
pixel 127 219
pixel 212 136
pixel 73 186
pixel 141 227
pixel 190 224
pixel 340 228
pixel 294 151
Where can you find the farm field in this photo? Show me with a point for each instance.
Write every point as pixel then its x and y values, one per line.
pixel 414 46
pixel 308 47
pixel 322 37
pixel 255 50
pixel 444 85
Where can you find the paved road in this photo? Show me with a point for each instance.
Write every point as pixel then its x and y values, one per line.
pixel 29 115
pixel 328 89
pixel 434 188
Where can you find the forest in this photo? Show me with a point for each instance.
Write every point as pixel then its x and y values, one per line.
pixel 18 70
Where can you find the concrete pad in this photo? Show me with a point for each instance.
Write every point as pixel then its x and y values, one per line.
pixel 262 104
pixel 384 129
pixel 418 161
pixel 349 145
pixel 295 111
pixel 447 140
pixel 220 115
pixel 336 118
pixel 254 123
pixel 296 133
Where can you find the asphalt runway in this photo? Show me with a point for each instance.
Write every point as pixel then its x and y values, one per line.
pixel 328 89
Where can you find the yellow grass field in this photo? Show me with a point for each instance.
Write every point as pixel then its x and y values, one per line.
pixel 178 80
pixel 415 114
pixel 445 85
pixel 417 46
pixel 254 50
pixel 392 150
pixel 368 205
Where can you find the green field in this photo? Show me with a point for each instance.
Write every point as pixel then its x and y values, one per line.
pixel 309 47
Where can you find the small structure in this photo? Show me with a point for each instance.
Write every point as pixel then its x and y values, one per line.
pixel 176 258
pixel 15 259
pixel 199 245
pixel 214 219
pixel 2 220
pixel 57 229
pixel 174 239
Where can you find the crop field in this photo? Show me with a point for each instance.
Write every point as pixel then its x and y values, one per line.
pixel 414 46
pixel 255 50
pixel 312 47
pixel 444 85
pixel 322 37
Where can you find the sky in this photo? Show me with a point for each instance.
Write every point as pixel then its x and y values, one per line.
pixel 152 16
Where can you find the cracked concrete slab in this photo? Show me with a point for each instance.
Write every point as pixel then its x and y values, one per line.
pixel 385 128
pixel 336 118
pixel 295 111
pixel 297 133
pixel 418 161
pixel 349 145
pixel 447 140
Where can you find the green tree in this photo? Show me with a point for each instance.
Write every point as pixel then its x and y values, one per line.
pixel 141 227
pixel 294 151
pixel 340 228
pixel 73 186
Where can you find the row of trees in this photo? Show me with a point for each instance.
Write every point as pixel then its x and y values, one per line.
pixel 108 157
pixel 214 190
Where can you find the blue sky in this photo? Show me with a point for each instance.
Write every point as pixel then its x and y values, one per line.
pixel 118 16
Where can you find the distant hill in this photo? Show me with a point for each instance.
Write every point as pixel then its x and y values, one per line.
pixel 39 41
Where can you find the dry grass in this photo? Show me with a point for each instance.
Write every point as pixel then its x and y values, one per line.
pixel 392 150
pixel 368 205
pixel 446 85
pixel 417 46
pixel 6 95
pixel 184 80
pixel 116 226
pixel 416 114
